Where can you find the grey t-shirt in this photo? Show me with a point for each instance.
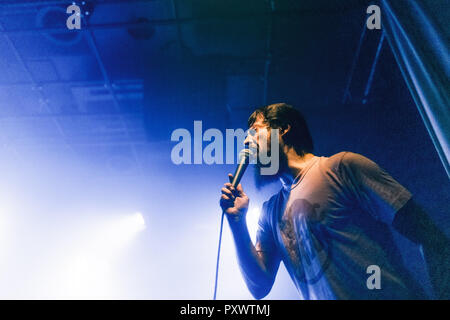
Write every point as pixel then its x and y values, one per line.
pixel 332 223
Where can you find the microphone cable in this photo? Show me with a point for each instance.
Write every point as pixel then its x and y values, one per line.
pixel 243 163
pixel 218 255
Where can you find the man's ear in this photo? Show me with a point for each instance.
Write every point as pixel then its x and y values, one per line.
pixel 285 130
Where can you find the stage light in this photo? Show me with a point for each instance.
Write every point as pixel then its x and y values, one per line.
pixel 90 270
pixel 138 221
pixel 110 238
pixel 252 222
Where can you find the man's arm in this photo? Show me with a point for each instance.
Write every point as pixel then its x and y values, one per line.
pixel 413 222
pixel 388 201
pixel 258 265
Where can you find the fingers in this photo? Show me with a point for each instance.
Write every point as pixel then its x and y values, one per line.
pixel 228 193
pixel 238 191
pixel 226 202
pixel 226 198
pixel 230 190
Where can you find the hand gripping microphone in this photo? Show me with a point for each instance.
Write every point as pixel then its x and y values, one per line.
pixel 244 159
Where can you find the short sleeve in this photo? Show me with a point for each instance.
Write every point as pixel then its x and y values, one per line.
pixel 371 187
pixel 264 235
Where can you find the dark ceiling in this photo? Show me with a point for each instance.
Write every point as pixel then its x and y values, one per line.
pixel 139 69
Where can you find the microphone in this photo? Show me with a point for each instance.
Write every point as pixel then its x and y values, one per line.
pixel 244 156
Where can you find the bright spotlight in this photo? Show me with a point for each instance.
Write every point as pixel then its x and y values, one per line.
pixel 139 221
pixel 119 231
pixel 89 271
pixel 252 222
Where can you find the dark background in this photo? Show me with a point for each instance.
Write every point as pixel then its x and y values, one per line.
pixel 96 107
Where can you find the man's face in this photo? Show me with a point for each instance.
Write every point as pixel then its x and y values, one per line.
pixel 259 136
pixel 259 139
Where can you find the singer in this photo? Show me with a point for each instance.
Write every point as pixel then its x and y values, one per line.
pixel 330 222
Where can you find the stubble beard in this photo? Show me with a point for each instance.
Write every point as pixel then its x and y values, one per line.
pixel 262 180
